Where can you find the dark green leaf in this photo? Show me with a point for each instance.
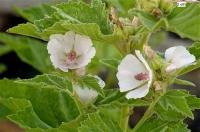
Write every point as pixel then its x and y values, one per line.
pixel 51 104
pixel 29 50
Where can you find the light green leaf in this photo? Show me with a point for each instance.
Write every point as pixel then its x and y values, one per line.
pixel 27 29
pixel 177 127
pixel 153 124
pixel 184 82
pixel 175 100
pixel 98 122
pixel 194 49
pixel 91 82
pixel 121 6
pixel 35 13
pixel 112 63
pixel 29 50
pixel 186 21
pixel 51 79
pixel 51 104
pixel 193 102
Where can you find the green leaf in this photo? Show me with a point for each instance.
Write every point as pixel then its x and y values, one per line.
pixel 194 49
pixel 92 83
pixel 112 63
pixel 29 50
pixel 98 122
pixel 51 104
pixel 154 124
pixel 177 127
pixel 193 102
pixel 11 105
pixel 121 6
pixel 4 49
pixel 184 82
pixel 35 13
pixel 174 100
pixel 51 79
pixel 186 21
pixel 27 29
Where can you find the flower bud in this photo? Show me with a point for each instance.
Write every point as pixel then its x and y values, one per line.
pixel 148 5
pixel 166 6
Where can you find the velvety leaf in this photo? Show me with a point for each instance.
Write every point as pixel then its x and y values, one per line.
pixel 194 49
pixel 51 79
pixel 92 83
pixel 98 122
pixel 29 50
pixel 153 124
pixel 27 29
pixel 35 13
pixel 112 63
pixel 193 102
pixel 121 6
pixel 175 100
pixel 186 21
pixel 51 104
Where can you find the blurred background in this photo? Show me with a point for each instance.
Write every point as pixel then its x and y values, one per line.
pixel 12 67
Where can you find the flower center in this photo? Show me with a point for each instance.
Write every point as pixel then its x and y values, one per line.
pixel 71 56
pixel 142 76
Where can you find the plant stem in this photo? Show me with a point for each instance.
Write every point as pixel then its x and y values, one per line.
pixel 125 118
pixel 149 112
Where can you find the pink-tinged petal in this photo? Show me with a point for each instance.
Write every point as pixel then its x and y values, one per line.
pixel 150 72
pixel 138 93
pixel 127 70
pixel 82 44
pixel 84 59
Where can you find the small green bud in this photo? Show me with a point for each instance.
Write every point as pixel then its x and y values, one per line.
pixel 148 5
pixel 166 6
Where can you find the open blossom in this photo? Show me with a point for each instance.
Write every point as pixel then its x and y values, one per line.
pixel 70 51
pixel 178 57
pixel 87 95
pixel 135 76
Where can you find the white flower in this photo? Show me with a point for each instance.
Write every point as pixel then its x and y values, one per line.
pixel 135 76
pixel 87 95
pixel 178 57
pixel 70 51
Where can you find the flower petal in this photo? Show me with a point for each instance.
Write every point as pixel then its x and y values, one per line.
pixel 128 68
pixel 169 53
pixel 180 57
pixel 138 93
pixel 82 44
pixel 150 72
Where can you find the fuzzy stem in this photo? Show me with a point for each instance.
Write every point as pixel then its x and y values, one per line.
pixel 125 118
pixel 149 112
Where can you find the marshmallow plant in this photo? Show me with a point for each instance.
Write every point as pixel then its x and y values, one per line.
pixel 76 41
